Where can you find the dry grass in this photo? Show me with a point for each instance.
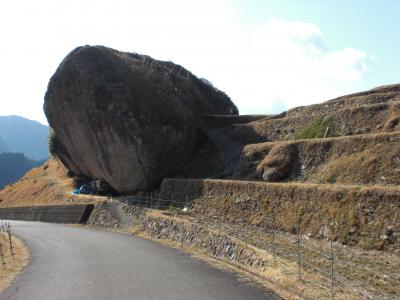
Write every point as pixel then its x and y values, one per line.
pixel 350 119
pixel 357 215
pixel 379 163
pixel 280 276
pixel 45 185
pixel 13 265
pixel 369 272
pixel 362 159
pixel 278 163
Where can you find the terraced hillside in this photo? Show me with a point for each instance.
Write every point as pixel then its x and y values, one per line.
pixel 309 176
pixel 337 162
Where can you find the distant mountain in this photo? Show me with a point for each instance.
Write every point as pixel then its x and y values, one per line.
pixel 3 146
pixel 13 166
pixel 22 135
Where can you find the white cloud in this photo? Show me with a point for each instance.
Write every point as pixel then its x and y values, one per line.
pixel 287 64
pixel 279 64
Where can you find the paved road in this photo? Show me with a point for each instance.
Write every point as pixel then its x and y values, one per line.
pixel 81 263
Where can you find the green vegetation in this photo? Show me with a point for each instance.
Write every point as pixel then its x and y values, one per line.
pixel 317 129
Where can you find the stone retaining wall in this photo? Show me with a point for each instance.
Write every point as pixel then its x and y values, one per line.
pixel 192 235
pixel 364 216
pixel 101 217
pixel 219 246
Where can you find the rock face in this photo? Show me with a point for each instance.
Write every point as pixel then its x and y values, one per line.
pixel 277 165
pixel 127 118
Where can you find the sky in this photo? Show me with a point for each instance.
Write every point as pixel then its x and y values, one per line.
pixel 268 56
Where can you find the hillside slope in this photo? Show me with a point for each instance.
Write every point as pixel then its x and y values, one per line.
pixel 13 166
pixel 47 184
pixel 359 159
pixel 3 146
pixel 22 135
pixel 337 163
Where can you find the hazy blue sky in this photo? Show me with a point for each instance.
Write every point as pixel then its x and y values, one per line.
pixel 369 25
pixel 267 55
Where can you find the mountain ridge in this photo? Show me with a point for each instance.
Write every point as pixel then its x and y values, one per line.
pixel 3 146
pixel 13 166
pixel 22 135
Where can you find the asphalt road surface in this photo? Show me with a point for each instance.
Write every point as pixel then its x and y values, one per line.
pixel 80 263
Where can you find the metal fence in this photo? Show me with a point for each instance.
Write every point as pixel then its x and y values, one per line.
pixel 155 201
pixel 332 264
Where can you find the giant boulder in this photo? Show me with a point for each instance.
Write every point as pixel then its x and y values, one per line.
pixel 127 118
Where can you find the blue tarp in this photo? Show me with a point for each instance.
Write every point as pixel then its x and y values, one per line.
pixel 84 189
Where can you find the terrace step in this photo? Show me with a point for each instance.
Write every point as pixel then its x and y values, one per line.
pixel 359 159
pixel 353 214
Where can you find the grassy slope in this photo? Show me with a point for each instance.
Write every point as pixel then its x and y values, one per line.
pixel 45 185
pixel 356 215
pixel 361 160
pixel 13 166
pixel 13 265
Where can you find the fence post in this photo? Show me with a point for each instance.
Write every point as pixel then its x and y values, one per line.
pixel 2 256
pixel 298 251
pixel 219 224
pixel 273 245
pixel 9 238
pixel 332 274
pixel 273 237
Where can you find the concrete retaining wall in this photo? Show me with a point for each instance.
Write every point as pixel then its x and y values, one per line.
pixel 72 214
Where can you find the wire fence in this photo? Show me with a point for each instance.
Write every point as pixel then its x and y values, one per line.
pixel 332 264
pixel 6 241
pixel 154 201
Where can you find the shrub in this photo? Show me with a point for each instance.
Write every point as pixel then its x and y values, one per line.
pixel 317 129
